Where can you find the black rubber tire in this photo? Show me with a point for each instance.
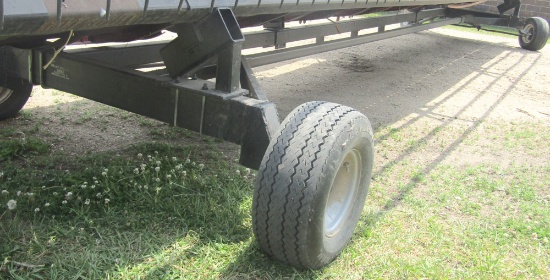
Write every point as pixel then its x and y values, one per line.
pixel 294 183
pixel 538 34
pixel 13 97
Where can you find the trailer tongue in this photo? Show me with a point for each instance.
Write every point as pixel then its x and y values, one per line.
pixel 314 167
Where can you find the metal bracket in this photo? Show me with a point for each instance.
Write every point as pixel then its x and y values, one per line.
pixel 508 5
pixel 275 27
pixel 217 35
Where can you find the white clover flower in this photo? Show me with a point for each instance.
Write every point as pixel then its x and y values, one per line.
pixel 64 202
pixel 187 161
pixel 146 187
pixel 201 166
pixel 85 183
pixel 140 155
pixel 105 170
pixel 149 156
pixel 107 200
pixel 238 172
pixel 96 182
pixel 157 169
pixel 157 162
pixel 168 176
pixel 5 192
pixel 174 159
pixel 94 178
pixel 69 194
pixel 43 187
pixel 184 173
pixel 247 171
pixel 193 163
pixel 12 204
pixel 36 210
pixel 179 167
pixel 1 175
pixel 136 171
pixel 104 174
pixel 55 193
pixel 18 193
pixel 92 187
pixel 29 194
pixel 157 180
pixel 156 152
pixel 83 186
pixel 98 194
pixel 47 204
pixel 87 202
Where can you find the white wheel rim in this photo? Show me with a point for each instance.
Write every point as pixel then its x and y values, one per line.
pixel 529 31
pixel 343 193
pixel 5 93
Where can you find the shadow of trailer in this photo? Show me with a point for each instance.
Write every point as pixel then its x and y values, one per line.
pixel 314 167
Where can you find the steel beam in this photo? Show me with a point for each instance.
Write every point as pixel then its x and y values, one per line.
pixel 192 104
pixel 286 54
pixel 277 37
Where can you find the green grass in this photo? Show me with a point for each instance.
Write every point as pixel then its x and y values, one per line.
pixel 16 143
pixel 158 211
pixel 113 215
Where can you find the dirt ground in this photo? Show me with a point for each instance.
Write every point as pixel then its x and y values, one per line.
pixel 432 78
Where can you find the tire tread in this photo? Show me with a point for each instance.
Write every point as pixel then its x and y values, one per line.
pixel 281 228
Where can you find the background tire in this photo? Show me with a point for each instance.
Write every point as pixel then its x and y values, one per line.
pixel 312 184
pixel 537 34
pixel 13 97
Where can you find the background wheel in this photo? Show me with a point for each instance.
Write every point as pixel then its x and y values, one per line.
pixel 13 97
pixel 312 184
pixel 536 34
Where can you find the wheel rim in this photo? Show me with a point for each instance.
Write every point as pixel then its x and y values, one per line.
pixel 343 192
pixel 5 93
pixel 529 31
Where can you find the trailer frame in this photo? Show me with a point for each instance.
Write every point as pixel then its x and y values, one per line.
pixel 201 81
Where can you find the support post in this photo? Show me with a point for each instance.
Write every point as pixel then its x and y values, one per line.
pixel 197 44
pixel 229 68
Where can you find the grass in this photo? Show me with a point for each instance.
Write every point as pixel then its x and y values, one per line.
pixel 158 211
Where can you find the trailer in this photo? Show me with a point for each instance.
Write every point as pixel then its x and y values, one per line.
pixel 314 167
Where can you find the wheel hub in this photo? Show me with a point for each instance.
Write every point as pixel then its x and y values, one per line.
pixel 342 193
pixel 527 36
pixel 5 93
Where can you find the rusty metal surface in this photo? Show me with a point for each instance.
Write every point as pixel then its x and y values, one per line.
pixel 24 18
